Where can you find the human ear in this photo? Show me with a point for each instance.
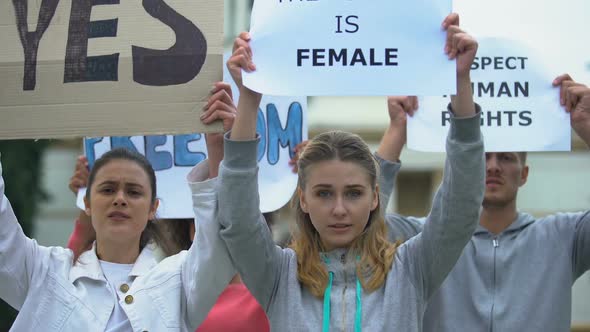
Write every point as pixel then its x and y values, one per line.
pixel 524 175
pixel 302 201
pixel 375 201
pixel 153 209
pixel 86 206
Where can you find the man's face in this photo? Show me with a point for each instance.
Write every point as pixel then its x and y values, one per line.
pixel 505 173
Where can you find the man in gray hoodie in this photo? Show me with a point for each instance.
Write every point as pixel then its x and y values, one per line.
pixel 517 271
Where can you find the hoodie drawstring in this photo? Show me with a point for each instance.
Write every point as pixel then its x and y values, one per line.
pixel 327 309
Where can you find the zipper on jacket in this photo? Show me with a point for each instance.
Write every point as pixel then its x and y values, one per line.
pixel 343 324
pixel 495 244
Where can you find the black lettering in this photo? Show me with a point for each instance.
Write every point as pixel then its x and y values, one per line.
pixel 318 54
pixel 483 89
pixel 498 64
pixel 525 118
pixel 372 59
pixel 475 65
pixel 522 61
pixel 485 61
pixel 511 67
pixel 79 67
pixel 358 56
pixel 338 29
pixel 519 88
pixel 510 114
pixel 103 28
pixel 390 54
pixel 30 39
pixel 181 62
pixel 301 56
pixel 497 118
pixel 446 118
pixel 337 57
pixel 350 22
pixel 504 90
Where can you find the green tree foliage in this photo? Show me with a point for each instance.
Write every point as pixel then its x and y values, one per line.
pixel 21 168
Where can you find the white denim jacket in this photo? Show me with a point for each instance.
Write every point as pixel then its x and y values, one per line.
pixel 54 294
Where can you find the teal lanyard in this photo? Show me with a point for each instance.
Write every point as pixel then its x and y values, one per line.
pixel 327 294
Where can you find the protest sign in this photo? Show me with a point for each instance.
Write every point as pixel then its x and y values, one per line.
pixel 324 47
pixel 281 125
pixel 107 67
pixel 556 29
pixel 516 116
pixel 520 107
pixel 284 119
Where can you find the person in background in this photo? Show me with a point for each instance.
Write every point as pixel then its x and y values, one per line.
pixel 515 265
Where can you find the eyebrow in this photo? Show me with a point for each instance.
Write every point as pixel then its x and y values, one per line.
pixel 350 186
pixel 129 184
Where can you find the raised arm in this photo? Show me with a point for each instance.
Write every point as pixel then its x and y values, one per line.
pixel 208 268
pixel 393 141
pixel 575 97
pixel 83 234
pixel 21 258
pixel 431 255
pixel 581 244
pixel 244 128
pixel 244 230
pixel 461 47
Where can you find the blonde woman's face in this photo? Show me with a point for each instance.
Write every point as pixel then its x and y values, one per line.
pixel 339 198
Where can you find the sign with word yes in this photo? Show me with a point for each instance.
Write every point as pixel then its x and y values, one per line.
pixel 107 67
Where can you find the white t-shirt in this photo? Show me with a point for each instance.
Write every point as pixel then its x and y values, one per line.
pixel 117 275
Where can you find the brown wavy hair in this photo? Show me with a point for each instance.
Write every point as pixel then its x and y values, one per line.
pixel 375 251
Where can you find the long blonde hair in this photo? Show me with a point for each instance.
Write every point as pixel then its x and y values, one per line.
pixel 375 251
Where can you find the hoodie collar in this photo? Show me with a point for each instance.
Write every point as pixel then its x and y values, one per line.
pixel 522 220
pixel 339 262
pixel 88 265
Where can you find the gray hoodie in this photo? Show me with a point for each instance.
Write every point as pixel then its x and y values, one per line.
pixel 420 265
pixel 518 280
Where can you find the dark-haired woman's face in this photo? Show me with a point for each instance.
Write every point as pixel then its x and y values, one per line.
pixel 120 201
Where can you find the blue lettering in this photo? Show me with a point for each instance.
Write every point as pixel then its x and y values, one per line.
pixel 182 155
pixel 122 142
pixel 290 135
pixel 160 160
pixel 89 148
pixel 261 130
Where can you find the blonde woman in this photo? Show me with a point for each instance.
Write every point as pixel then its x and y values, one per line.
pixel 340 272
